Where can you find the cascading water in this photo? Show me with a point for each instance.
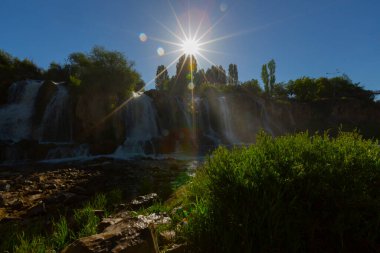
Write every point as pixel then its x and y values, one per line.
pixel 209 132
pixel 184 113
pixel 226 120
pixel 141 125
pixel 56 124
pixel 15 117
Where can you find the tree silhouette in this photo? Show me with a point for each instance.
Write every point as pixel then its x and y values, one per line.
pixel 162 78
pixel 185 72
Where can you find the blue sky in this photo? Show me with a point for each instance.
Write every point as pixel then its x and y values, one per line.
pixel 305 37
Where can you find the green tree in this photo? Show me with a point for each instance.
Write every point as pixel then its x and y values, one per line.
pixel 105 71
pixel 200 78
pixel 265 78
pixel 268 75
pixel 272 74
pixel 57 73
pixel 162 78
pixel 233 77
pixel 216 75
pixel 252 86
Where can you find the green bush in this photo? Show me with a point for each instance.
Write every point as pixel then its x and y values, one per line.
pixel 295 193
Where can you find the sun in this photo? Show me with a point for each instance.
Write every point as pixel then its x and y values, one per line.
pixel 190 47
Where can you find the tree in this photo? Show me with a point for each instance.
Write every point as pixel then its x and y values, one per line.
pixel 185 72
pixel 233 77
pixel 57 73
pixel 272 72
pixel 107 72
pixel 252 86
pixel 216 75
pixel 162 78
pixel 200 78
pixel 265 78
pixel 268 75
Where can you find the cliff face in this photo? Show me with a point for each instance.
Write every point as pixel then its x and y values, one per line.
pixel 157 123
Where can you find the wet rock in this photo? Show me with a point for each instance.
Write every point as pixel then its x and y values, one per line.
pixel 143 201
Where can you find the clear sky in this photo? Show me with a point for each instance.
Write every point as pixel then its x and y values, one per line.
pixel 305 37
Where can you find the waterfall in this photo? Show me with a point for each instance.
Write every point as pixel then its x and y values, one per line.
pixel 207 128
pixel 15 117
pixel 226 120
pixel 185 114
pixel 56 122
pixel 141 125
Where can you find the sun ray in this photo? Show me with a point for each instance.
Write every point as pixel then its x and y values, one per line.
pixel 201 22
pixel 209 61
pixel 166 41
pixel 180 71
pixel 255 29
pixel 212 51
pixel 178 22
pixel 168 30
pixel 212 27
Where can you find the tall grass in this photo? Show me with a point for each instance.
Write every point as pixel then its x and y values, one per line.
pixel 37 238
pixel 297 193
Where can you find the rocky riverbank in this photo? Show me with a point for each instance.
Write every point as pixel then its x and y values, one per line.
pixel 40 190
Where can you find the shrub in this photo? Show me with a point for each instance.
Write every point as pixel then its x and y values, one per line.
pixel 295 193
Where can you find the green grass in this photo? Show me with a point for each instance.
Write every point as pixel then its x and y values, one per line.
pixel 37 238
pixel 297 193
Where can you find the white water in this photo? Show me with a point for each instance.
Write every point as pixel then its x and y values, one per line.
pixel 209 131
pixel 15 118
pixel 56 122
pixel 140 120
pixel 185 113
pixel 226 120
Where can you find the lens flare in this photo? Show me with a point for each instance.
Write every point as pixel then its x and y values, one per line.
pixel 143 37
pixel 160 51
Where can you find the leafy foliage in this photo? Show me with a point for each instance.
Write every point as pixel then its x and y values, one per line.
pixel 13 69
pixel 105 71
pixel 297 193
pixel 308 89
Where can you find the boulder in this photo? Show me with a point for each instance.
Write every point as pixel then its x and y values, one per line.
pixel 130 235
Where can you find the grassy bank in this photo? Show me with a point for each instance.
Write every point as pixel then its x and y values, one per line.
pixel 297 193
pixel 54 233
